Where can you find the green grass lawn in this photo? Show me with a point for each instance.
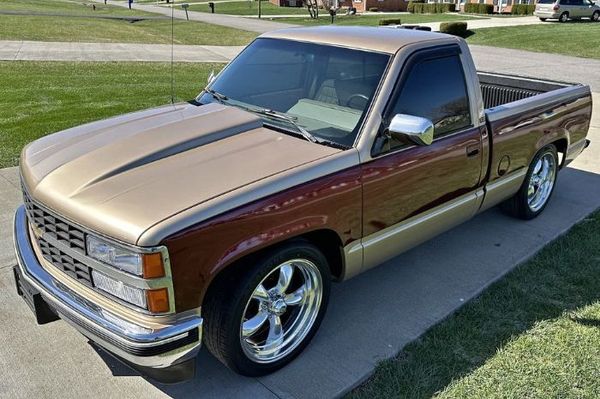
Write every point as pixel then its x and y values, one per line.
pixel 250 8
pixel 70 7
pixel 79 25
pixel 533 334
pixel 373 20
pixel 579 39
pixel 73 29
pixel 39 98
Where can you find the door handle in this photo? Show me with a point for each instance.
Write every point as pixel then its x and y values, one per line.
pixel 472 150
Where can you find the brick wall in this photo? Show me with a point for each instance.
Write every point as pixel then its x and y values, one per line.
pixel 287 3
pixel 381 5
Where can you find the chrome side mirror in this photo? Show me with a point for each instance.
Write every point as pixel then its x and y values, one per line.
pixel 417 129
pixel 211 77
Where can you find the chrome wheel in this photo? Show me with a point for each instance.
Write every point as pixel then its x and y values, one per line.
pixel 281 311
pixel 564 17
pixel 541 182
pixel 596 16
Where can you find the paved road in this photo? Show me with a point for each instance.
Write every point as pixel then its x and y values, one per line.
pixel 370 317
pixel 13 50
pixel 249 24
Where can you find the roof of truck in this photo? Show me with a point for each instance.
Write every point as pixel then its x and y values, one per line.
pixel 381 39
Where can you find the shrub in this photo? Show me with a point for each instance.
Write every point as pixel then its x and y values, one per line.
pixel 470 8
pixel 454 28
pixel 411 4
pixel 486 8
pixel 518 9
pixel 522 9
pixel 373 9
pixel 476 8
pixel 390 21
pixel 430 8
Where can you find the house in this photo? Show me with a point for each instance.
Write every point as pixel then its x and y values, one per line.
pixel 360 5
pixel 380 5
pixel 287 3
pixel 500 6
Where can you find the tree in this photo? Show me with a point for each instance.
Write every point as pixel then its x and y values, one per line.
pixel 313 8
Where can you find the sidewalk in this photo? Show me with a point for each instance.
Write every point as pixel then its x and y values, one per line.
pixel 73 51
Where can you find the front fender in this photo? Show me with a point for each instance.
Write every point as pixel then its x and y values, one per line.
pixel 201 252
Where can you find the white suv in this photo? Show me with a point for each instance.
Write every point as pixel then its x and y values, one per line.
pixel 563 10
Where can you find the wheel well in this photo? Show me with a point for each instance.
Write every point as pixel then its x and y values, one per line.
pixel 327 241
pixel 561 147
pixel 330 245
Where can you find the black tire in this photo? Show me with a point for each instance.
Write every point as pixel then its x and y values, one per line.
pixel 543 19
pixel 518 205
pixel 564 17
pixel 596 16
pixel 229 296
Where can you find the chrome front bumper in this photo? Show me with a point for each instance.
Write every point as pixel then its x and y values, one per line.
pixel 166 354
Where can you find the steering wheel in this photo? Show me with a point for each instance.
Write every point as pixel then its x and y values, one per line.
pixel 356 95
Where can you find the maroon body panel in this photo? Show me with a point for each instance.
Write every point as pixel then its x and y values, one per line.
pixel 405 183
pixel 199 253
pixel 522 136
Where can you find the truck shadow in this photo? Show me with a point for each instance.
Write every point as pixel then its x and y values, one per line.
pixel 375 315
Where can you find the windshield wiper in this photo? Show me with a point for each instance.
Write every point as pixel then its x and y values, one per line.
pixel 222 98
pixel 291 120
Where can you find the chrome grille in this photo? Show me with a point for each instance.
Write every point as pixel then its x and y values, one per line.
pixel 66 263
pixel 57 233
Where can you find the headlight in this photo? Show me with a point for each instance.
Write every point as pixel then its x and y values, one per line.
pixel 140 264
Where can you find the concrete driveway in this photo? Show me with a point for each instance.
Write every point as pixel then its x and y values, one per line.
pixel 370 317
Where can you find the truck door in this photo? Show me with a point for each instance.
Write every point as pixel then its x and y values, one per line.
pixel 412 192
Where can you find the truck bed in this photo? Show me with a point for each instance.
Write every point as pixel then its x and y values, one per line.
pixel 508 97
pixel 500 89
pixel 523 112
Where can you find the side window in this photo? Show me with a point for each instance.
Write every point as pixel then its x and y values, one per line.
pixel 435 89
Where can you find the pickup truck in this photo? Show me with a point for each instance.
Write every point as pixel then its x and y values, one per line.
pixel 315 155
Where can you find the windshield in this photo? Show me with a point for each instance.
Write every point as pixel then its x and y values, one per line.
pixel 318 89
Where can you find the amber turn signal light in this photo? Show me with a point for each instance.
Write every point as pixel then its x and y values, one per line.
pixel 158 300
pixel 153 265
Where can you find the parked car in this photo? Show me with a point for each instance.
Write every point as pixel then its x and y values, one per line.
pixel 563 10
pixel 315 155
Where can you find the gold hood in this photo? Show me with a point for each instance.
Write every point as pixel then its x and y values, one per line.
pixel 123 175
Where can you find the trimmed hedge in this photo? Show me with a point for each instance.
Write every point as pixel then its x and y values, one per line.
pixel 390 21
pixel 411 5
pixel 430 8
pixel 522 9
pixel 476 8
pixel 454 28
